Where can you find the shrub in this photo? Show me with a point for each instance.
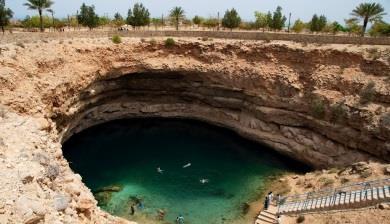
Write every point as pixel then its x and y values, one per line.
pixel 20 44
pixel 317 108
pixel 116 39
pixel 328 182
pixel 367 93
pixel 153 42
pixel 366 173
pixel 385 120
pixel 205 38
pixel 169 42
pixel 143 40
pixel 300 219
pixel 374 53
pixel 338 112
pixel 344 180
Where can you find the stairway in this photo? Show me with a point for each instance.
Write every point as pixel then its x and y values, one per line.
pixel 337 200
pixel 268 216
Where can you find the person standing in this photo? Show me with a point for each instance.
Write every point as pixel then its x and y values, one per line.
pixel 266 203
pixel 270 196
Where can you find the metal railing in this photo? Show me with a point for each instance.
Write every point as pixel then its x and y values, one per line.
pixel 363 187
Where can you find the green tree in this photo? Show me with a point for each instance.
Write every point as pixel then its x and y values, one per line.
pixel 322 23
pixel 139 16
pixel 314 23
pixel 269 20
pixel 177 14
pixel 278 19
pixel 197 20
pixel 317 24
pixel 261 20
pixel 5 15
pixel 211 23
pixel 334 28
pixel 368 12
pixel 157 22
pixel 104 21
pixel 118 20
pixel 352 27
pixel 380 28
pixel 231 19
pixel 35 22
pixel 88 17
pixel 39 5
pixel 298 26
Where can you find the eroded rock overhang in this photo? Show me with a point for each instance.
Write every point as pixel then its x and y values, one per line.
pixel 256 115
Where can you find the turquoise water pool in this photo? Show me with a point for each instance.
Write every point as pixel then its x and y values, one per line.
pixel 127 153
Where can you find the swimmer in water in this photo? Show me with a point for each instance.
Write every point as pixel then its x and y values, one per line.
pixel 204 181
pixel 159 170
pixel 187 165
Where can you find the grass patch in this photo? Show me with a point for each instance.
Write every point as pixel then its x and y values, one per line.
pixel 116 39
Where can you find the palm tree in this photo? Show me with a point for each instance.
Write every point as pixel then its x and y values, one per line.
pixel 5 15
pixel 39 5
pixel 52 16
pixel 176 15
pixel 369 12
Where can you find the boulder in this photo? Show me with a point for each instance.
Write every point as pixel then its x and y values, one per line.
pixel 387 170
pixel 24 207
pixel 61 202
pixel 85 203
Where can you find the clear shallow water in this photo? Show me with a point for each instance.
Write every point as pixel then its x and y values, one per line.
pixel 128 152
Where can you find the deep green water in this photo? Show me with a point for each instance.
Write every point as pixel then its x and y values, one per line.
pixel 128 152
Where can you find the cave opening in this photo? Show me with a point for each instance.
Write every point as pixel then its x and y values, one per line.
pixel 206 173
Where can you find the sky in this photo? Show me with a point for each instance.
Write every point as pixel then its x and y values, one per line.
pixel 334 10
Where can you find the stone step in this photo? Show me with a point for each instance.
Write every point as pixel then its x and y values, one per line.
pixel 267 214
pixel 266 219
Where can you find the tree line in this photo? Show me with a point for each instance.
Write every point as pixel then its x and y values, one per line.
pixel 139 16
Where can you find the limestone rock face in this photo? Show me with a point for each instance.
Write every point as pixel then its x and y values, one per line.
pixel 303 101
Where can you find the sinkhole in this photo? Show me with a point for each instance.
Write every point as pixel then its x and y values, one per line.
pixel 208 174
